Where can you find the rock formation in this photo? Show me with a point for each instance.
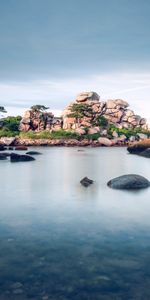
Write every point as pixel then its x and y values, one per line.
pixel 87 114
pixel 116 112
pixel 39 121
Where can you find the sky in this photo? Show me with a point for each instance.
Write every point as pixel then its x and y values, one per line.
pixel 51 50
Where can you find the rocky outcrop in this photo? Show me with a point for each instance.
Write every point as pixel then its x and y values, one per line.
pixel 39 121
pixel 129 181
pixel 116 112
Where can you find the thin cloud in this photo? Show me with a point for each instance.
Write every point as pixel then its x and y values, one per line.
pixel 57 93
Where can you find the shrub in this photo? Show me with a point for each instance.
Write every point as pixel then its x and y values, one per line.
pixel 10 123
pixel 101 121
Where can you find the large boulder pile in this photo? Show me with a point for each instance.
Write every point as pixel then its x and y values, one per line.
pixel 116 112
pixel 39 121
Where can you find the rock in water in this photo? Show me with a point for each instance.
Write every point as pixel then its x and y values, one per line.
pixel 86 181
pixel 24 148
pixel 2 148
pixel 128 182
pixel 145 153
pixel 18 158
pixel 3 156
pixel 33 153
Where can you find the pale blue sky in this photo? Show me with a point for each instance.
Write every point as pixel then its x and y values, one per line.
pixel 47 43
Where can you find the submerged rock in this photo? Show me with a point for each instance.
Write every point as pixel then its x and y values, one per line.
pixel 33 153
pixel 3 156
pixel 86 181
pixel 21 148
pixel 2 148
pixel 129 181
pixel 18 158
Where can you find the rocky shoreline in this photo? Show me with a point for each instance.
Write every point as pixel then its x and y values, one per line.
pixel 61 142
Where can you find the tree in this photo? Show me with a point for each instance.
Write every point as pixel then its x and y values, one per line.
pixel 2 109
pixel 78 111
pixel 39 108
pixel 11 123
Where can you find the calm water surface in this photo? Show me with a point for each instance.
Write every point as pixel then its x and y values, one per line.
pixel 61 241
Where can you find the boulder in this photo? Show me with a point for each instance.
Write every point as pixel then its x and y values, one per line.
pixel 20 158
pixel 8 140
pixel 80 131
pixel 84 96
pixel 93 130
pixel 128 182
pixel 86 181
pixel 105 141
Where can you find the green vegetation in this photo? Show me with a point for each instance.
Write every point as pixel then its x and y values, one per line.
pixel 101 121
pixel 9 126
pixel 59 134
pixel 79 111
pixel 10 123
pixel 127 131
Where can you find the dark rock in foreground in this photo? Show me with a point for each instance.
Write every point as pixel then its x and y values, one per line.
pixel 136 149
pixel 33 153
pixel 19 158
pixel 3 156
pixel 145 153
pixel 21 148
pixel 129 181
pixel 2 148
pixel 86 181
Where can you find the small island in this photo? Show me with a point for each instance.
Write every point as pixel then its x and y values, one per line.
pixel 85 121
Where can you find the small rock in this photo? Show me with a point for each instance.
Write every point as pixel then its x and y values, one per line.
pixel 21 148
pixel 33 153
pixel 86 181
pixel 115 134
